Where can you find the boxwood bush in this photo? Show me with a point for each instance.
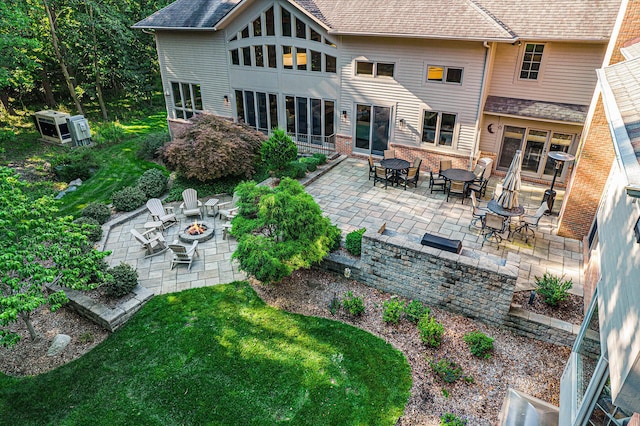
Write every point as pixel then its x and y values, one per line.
pixel 153 183
pixel 91 227
pixel 294 170
pixel 150 147
pixel 322 159
pixel 353 241
pixel 431 331
pixel 479 344
pixel 129 198
pixel 98 211
pixel 125 278
pixel 312 163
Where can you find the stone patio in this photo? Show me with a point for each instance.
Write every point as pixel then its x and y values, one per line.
pixel 351 201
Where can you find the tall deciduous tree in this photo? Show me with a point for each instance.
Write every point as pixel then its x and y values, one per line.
pixel 280 230
pixel 37 248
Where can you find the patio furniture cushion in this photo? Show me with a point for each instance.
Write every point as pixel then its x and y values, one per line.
pixel 446 244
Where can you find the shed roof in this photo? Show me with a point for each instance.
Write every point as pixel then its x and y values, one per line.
pixel 539 110
pixel 499 20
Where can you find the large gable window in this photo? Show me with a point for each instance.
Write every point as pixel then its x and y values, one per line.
pixel 187 99
pixel 438 128
pixel 531 61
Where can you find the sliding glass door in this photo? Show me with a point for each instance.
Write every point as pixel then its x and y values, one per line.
pixel 373 125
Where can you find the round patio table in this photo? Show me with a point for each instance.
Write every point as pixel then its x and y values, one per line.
pixel 458 175
pixel 495 207
pixel 395 164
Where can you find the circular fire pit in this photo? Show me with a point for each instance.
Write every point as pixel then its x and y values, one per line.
pixel 197 231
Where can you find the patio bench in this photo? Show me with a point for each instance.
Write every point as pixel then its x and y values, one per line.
pixel 446 244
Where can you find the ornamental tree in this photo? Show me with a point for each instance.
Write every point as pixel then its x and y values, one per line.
pixel 37 248
pixel 280 230
pixel 278 151
pixel 212 147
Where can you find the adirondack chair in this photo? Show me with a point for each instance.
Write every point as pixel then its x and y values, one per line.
pixel 191 206
pixel 161 214
pixel 151 240
pixel 229 209
pixel 182 254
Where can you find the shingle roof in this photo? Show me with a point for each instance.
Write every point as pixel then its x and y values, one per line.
pixel 555 111
pixel 196 14
pixel 632 51
pixel 621 95
pixel 450 19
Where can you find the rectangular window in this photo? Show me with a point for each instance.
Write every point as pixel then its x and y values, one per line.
pixel 290 105
pixel 245 32
pixel 531 61
pixel 329 63
pixel 240 106
pixel 301 29
pixel 315 36
pixel 257 27
pixel 316 120
pixel 270 22
pixel 329 120
pixel 187 99
pixel 246 56
pixel 287 58
pixel 263 124
pixel 438 128
pixel 258 53
pixel 302 118
pixel 273 111
pixel 364 68
pixel 271 55
pixel 235 57
pixel 316 61
pixel 250 108
pixel 301 58
pixel 443 74
pixel 286 23
pixel 384 70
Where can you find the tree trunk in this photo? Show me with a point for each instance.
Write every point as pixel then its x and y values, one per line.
pixel 48 92
pixel 27 320
pixel 63 65
pixel 96 69
pixel 4 98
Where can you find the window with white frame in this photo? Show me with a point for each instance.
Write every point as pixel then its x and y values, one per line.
pixel 375 69
pixel 531 61
pixel 444 74
pixel 438 128
pixel 187 99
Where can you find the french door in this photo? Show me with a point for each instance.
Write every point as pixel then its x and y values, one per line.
pixel 373 124
pixel 535 145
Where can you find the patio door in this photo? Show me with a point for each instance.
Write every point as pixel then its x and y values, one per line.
pixel 373 124
pixel 535 145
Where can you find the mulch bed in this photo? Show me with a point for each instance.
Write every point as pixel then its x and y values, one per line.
pixel 570 310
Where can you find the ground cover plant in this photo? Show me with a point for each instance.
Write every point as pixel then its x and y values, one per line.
pixel 218 355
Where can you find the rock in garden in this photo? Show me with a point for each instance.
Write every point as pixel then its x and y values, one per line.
pixel 59 343
pixel 76 182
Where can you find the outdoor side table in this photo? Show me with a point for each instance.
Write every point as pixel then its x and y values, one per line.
pixel 156 224
pixel 211 206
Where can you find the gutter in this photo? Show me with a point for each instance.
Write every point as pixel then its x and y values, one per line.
pixel 480 105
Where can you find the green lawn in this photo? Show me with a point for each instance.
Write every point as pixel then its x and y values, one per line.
pixel 219 355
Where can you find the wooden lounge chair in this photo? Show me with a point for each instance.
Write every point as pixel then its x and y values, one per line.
pixel 161 214
pixel 191 206
pixel 182 254
pixel 151 240
pixel 229 209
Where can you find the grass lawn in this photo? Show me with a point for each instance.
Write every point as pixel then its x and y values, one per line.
pixel 219 355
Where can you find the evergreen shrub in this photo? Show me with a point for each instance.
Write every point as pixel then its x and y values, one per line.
pixel 128 198
pixel 479 344
pixel 125 278
pixel 91 227
pixel 431 331
pixel 153 183
pixel 353 241
pixel 150 148
pixel 98 211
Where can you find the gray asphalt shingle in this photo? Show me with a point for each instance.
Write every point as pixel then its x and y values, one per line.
pixel 536 109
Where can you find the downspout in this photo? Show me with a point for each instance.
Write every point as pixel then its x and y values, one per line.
pixel 476 143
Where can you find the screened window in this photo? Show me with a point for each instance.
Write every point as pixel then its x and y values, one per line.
pixel 364 68
pixel 531 61
pixel 442 74
pixel 187 100
pixel 384 70
pixel 438 128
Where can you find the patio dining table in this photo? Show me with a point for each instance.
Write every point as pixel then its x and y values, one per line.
pixel 395 164
pixel 458 175
pixel 498 209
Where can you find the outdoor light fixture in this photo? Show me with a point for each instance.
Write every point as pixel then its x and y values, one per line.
pixel 403 123
pixel 344 115
pixel 226 100
pixel 167 92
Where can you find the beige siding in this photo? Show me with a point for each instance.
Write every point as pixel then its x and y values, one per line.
pixel 409 93
pixel 196 57
pixel 568 73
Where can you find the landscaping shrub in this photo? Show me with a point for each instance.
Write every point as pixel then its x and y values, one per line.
pixel 98 211
pixel 321 158
pixel 479 344
pixel 129 198
pixel 448 371
pixel 153 183
pixel 125 278
pixel 392 310
pixel 293 170
pixel 334 305
pixel 278 151
pixel 449 419
pixel 212 147
pixel 110 133
pixel 91 227
pixel 553 289
pixel 151 145
pixel 431 331
pixel 353 304
pixel 74 164
pixel 353 241
pixel 415 310
pixel 312 163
